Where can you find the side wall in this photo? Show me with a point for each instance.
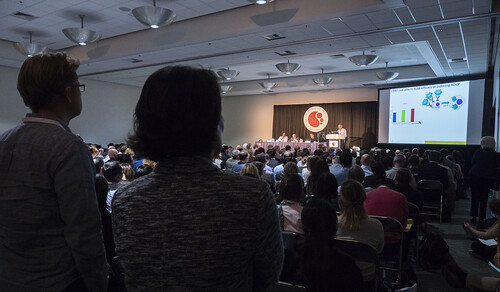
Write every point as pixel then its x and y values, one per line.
pixel 250 118
pixel 107 113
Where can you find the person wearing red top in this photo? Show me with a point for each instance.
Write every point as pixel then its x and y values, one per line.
pixel 388 203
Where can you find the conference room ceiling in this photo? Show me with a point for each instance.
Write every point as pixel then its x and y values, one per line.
pixel 420 39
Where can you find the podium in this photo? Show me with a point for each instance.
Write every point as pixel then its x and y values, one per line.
pixel 335 140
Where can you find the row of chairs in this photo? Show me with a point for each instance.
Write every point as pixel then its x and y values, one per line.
pixel 389 260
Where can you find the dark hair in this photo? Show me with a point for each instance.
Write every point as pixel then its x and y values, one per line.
pixel 356 173
pixel 413 160
pixel 326 186
pixel 176 102
pixel 261 157
pixel 318 252
pixel 142 170
pixel 291 167
pixel 98 163
pixel 292 187
pixel 317 169
pixel 111 169
pixel 271 152
pixel 345 159
pixel 288 148
pixel 434 156
pixel 123 158
pixel 378 169
pixel 403 177
pixel 260 167
pixel 243 155
pixel 43 77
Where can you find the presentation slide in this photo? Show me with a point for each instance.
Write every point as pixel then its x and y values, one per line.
pixel 432 114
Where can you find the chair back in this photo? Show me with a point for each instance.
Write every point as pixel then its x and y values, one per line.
pixel 431 190
pixel 359 251
pixel 287 287
pixel 414 213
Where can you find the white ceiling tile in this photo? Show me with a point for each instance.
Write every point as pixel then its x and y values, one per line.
pixel 421 3
pixel 384 18
pixel 358 23
pixel 336 27
pixel 405 15
pixel 426 13
pixel 376 40
pixel 399 37
pixel 452 9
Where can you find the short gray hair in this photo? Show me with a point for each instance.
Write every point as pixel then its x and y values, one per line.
pixel 488 142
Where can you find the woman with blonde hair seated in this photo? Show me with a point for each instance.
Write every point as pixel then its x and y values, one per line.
pixel 355 224
pixel 250 170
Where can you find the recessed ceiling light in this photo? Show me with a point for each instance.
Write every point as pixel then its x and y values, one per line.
pixel 125 9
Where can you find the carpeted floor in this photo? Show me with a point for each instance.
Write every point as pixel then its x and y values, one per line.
pixel 453 233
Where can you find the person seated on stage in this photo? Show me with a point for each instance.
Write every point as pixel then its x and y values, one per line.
pixel 283 138
pixel 312 137
pixel 294 139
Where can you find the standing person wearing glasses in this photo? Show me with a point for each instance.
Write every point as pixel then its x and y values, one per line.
pixel 50 226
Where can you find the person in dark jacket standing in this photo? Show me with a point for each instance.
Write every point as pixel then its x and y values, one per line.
pixel 483 170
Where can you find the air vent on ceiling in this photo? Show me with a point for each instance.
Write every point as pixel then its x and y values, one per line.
pixel 457 60
pixel 285 53
pixel 24 16
pixel 338 56
pixel 134 60
pixel 273 37
pixel 369 84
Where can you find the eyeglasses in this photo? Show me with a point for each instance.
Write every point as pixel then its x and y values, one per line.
pixel 80 86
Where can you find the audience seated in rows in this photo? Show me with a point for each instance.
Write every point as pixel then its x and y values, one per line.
pixel 354 223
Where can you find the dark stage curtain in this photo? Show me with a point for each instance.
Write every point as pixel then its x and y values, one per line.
pixel 358 118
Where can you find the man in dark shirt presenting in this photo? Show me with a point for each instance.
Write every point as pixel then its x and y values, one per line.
pixel 50 226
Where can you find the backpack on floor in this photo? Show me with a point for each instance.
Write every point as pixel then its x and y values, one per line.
pixel 431 251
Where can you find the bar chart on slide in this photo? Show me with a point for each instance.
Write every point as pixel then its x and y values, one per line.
pixel 429 114
pixel 402 116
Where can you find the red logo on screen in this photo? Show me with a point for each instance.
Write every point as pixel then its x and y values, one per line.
pixel 315 119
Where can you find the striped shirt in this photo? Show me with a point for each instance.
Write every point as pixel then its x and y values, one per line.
pixel 191 227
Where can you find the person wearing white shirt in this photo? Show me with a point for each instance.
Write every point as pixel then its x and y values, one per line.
pixel 294 139
pixel 343 132
pixel 283 138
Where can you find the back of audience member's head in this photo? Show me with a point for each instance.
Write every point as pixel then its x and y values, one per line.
pixel 319 221
pixel 288 148
pixel 400 160
pixel 378 169
pixel 291 167
pixel 443 152
pixel 311 162
pixel 43 78
pixel 243 155
pixel 318 168
pixel 235 154
pixel 258 151
pixel 434 156
pixel 260 167
pixel 142 170
pixel 112 153
pixel 271 152
pixel 326 187
pixel 261 157
pixel 123 158
pixel 387 161
pixel 351 198
pixel 112 171
pixel 176 102
pixel 224 149
pixel 345 159
pixel 413 161
pixel 403 177
pixel 292 187
pixel 305 152
pixel 318 152
pixel 356 173
pixel 127 171
pixel 250 170
pixel 488 142
pixel 98 164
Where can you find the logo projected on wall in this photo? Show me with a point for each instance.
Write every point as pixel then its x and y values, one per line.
pixel 315 119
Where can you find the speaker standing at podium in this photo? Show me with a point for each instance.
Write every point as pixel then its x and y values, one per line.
pixel 343 132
